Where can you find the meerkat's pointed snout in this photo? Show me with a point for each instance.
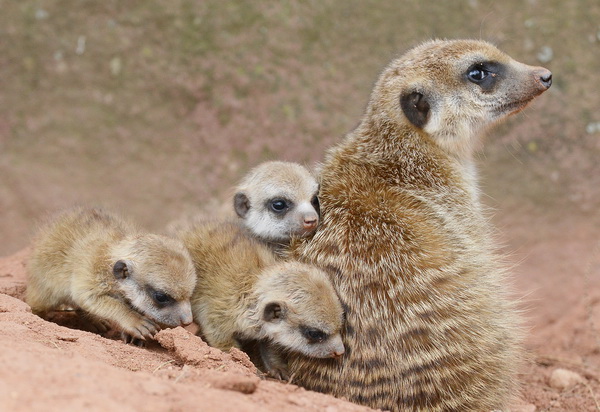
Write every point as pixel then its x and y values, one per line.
pixel 535 79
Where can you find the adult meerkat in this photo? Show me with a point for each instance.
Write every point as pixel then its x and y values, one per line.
pixel 277 201
pixel 429 324
pixel 98 263
pixel 244 293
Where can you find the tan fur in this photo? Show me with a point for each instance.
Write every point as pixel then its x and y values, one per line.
pixel 73 263
pixel 429 323
pixel 239 278
pixel 273 181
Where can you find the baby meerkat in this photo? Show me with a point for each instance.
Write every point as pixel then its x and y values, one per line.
pixel 429 324
pixel 244 293
pixel 98 263
pixel 278 201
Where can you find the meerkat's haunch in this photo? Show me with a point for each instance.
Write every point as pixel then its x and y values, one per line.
pixel 277 201
pixel 244 293
pixel 100 264
pixel 429 322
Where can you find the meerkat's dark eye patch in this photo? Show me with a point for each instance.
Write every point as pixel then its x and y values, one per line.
pixel 241 204
pixel 160 298
pixel 416 108
pixel 485 75
pixel 313 335
pixel 279 206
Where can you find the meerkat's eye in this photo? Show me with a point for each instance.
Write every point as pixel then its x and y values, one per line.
pixel 314 335
pixel 161 298
pixel 485 75
pixel 278 205
pixel 477 74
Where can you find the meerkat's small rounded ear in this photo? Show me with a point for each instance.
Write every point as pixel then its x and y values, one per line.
pixel 274 312
pixel 120 270
pixel 241 204
pixel 416 108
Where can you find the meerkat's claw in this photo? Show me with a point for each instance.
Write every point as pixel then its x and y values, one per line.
pixel 100 326
pixel 144 329
pixel 93 324
pixel 130 339
pixel 279 373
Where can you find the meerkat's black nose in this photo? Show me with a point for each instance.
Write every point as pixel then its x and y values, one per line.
pixel 546 78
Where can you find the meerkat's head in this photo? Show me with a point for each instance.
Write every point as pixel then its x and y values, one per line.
pixel 157 277
pixel 278 200
pixel 451 90
pixel 299 310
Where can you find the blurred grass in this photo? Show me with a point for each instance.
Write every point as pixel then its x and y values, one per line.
pixel 157 107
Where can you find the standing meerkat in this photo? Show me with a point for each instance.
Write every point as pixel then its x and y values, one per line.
pixel 277 201
pixel 429 322
pixel 244 293
pixel 100 264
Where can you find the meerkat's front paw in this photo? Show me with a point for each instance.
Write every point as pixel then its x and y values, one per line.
pixel 95 325
pixel 127 338
pixel 274 361
pixel 279 372
pixel 141 329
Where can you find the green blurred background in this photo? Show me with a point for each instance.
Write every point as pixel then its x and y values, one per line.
pixel 157 107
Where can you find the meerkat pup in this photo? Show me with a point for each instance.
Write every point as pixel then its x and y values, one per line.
pixel 98 263
pixel 277 201
pixel 244 293
pixel 429 321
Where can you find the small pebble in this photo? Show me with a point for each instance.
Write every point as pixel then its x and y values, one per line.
pixel 41 14
pixel 532 147
pixel 555 404
pixel 530 407
pixel 115 66
pixel 545 54
pixel 562 379
pixel 592 127
pixel 80 49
